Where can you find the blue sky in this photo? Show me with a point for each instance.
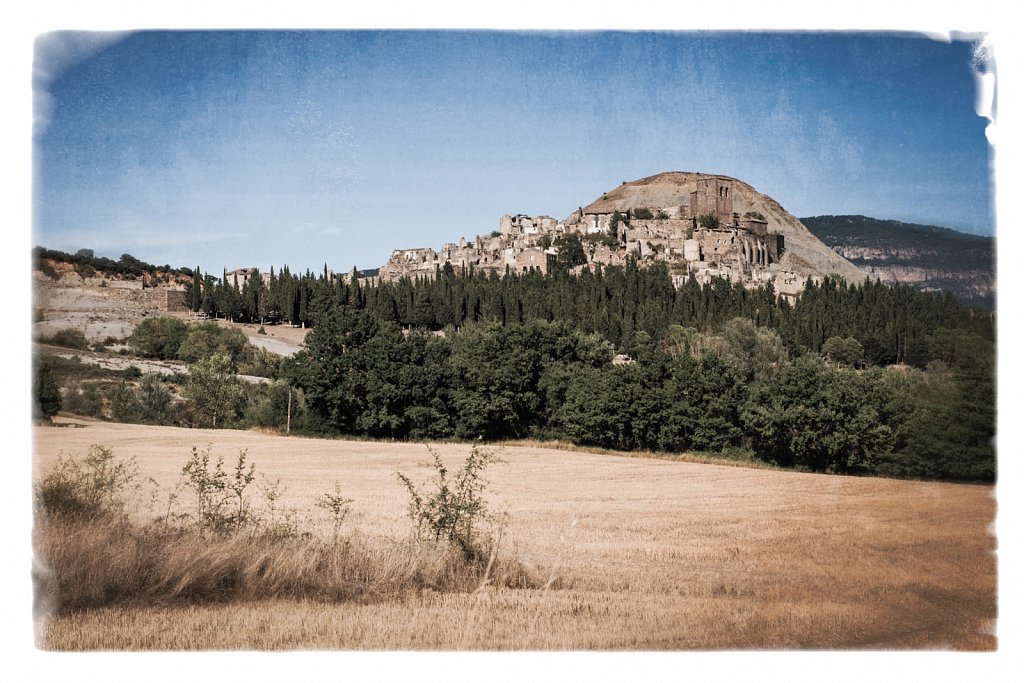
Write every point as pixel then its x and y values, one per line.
pixel 229 149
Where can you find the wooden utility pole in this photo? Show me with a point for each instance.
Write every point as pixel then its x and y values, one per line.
pixel 288 427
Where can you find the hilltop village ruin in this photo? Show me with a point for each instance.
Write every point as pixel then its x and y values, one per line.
pixel 702 240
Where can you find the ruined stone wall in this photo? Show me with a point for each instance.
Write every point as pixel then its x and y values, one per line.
pixel 737 249
pixel 160 298
pixel 667 227
pixel 753 225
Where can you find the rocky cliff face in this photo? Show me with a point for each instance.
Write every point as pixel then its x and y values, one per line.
pixel 926 257
pixel 100 305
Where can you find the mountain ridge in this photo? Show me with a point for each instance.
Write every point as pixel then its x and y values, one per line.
pixel 928 257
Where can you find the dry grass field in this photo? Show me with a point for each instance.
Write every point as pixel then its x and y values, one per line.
pixel 632 554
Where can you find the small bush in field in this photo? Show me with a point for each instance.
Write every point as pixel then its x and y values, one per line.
pixel 87 559
pixel 337 505
pixel 455 508
pixel 221 503
pixel 95 486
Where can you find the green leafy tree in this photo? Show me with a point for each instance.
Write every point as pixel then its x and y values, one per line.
pixel 269 407
pixel 949 431
pixel 401 385
pixel 325 369
pixel 843 351
pixel 151 402
pixel 570 251
pixel 494 373
pixel 46 401
pixel 613 225
pixel 595 410
pixel 819 418
pixel 756 351
pixel 205 339
pixel 158 338
pixel 155 400
pixel 124 404
pixel 214 394
pixel 620 407
pixel 702 409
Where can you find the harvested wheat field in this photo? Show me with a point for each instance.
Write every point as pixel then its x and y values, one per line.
pixel 625 554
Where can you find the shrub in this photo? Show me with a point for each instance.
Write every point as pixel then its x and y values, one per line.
pixel 95 563
pixel 204 339
pixel 708 221
pixel 221 503
pixel 604 238
pixel 69 338
pixel 261 363
pixel 158 338
pixel 85 270
pixel 455 508
pixel 84 399
pixel 46 269
pixel 45 392
pixel 337 505
pixel 149 403
pixel 89 559
pixel 95 486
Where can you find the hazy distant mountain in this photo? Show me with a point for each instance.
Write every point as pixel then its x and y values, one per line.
pixel 927 257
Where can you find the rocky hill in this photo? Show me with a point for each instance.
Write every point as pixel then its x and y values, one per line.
pixel 924 256
pixel 804 253
pixel 701 226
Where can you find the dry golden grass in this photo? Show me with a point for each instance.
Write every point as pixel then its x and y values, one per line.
pixel 650 554
pixel 86 563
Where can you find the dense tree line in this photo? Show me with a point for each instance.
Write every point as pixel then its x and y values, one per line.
pixel 735 389
pixel 893 324
pixel 713 368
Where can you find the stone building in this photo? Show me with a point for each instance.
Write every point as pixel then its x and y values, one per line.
pixel 713 197
pixel 243 275
pixel 740 248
